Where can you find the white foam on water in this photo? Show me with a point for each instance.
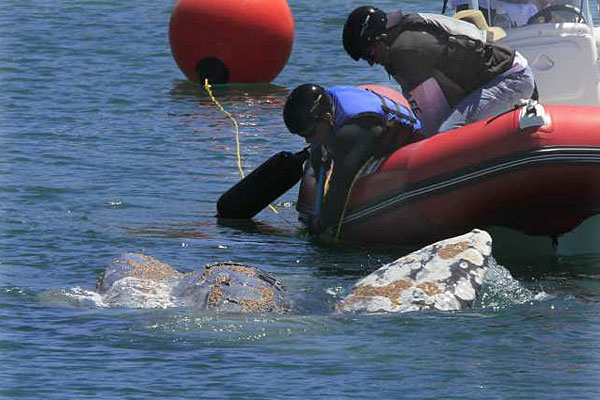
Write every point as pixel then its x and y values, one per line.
pixel 74 297
pixel 128 292
pixel 84 296
pixel 133 292
pixel 499 289
pixel 336 292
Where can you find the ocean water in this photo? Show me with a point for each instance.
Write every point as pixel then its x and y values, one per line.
pixel 105 148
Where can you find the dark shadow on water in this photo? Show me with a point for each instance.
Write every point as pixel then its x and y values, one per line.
pixel 538 256
pixel 256 227
pixel 328 259
pixel 569 278
pixel 245 92
pixel 527 258
pixel 187 230
pixel 583 266
pixel 197 230
pixel 351 260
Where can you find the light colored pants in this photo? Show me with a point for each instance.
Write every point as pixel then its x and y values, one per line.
pixel 499 95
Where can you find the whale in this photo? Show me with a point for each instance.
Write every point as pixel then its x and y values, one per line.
pixel 140 281
pixel 444 276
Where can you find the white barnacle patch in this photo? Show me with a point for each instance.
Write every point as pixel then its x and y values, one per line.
pixel 474 256
pixel 482 241
pixel 436 270
pixel 478 274
pixel 394 274
pixel 447 302
pixel 464 290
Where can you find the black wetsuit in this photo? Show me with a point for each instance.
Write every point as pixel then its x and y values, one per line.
pixel 419 49
pixel 364 124
pixel 352 145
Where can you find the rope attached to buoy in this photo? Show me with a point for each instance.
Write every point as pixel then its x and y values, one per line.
pixel 237 134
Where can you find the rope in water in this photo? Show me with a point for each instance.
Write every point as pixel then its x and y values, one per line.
pixel 341 221
pixel 237 133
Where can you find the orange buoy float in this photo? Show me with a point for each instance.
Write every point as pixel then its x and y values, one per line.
pixel 231 40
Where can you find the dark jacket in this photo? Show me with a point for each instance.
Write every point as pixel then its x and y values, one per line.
pixel 423 46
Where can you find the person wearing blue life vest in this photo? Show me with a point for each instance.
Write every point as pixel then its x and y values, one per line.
pixel 348 125
pixel 448 72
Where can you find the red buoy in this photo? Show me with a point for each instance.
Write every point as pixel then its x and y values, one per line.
pixel 231 40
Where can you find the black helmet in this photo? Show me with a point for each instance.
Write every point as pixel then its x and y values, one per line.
pixel 304 106
pixel 363 25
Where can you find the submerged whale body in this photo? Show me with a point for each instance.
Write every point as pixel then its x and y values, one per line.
pixel 140 281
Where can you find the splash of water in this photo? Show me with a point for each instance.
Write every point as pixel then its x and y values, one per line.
pixel 499 290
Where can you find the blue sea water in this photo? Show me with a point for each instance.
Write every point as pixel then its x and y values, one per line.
pixel 105 148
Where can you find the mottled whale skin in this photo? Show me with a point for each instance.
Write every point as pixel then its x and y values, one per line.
pixel 444 276
pixel 140 281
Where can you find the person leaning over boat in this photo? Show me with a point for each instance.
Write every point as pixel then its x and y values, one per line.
pixel 446 71
pixel 349 125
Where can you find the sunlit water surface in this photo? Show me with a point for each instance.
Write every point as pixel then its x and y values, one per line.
pixel 106 149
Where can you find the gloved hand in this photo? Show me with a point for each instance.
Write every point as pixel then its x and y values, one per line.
pixel 315 226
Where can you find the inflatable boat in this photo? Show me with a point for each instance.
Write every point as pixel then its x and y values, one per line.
pixel 534 169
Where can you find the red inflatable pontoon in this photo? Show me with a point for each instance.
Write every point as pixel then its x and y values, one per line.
pixel 535 169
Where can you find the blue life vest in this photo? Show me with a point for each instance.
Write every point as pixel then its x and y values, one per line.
pixel 351 102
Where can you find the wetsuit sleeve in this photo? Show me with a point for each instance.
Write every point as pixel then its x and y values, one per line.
pixel 353 145
pixel 413 57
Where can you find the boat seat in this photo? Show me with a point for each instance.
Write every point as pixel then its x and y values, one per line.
pixel 476 17
pixel 564 59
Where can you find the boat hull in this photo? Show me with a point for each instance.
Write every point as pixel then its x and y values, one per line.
pixel 541 180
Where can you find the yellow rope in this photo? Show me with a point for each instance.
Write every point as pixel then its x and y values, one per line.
pixel 341 221
pixel 237 133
